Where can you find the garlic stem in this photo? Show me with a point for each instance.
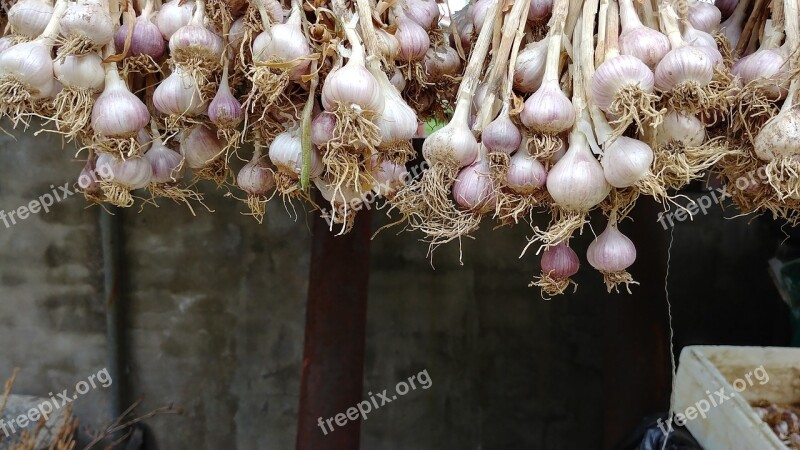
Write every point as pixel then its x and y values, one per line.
pixel 357 50
pixel 199 16
pixel 612 31
pixel 554 44
pixel 601 127
pixel 368 28
pixel 510 30
pixel 512 61
pixel 147 10
pixel 777 29
pixel 50 33
pixel 305 129
pixel 262 11
pixel 472 73
pixel 602 21
pixel 792 28
pixel 670 22
pixel 628 16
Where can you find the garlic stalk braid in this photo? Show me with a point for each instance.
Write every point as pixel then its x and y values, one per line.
pixel 426 204
pixel 576 182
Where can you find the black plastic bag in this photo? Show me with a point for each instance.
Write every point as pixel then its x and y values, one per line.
pixel 649 435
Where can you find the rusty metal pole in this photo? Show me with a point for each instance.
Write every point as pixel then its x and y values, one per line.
pixel 333 355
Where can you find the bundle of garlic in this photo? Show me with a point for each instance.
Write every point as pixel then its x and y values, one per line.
pixel 559 107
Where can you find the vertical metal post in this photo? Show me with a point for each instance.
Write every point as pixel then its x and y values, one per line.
pixel 110 231
pixel 333 356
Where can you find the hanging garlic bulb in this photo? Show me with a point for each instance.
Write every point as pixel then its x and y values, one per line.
pixel 146 38
pixel 194 40
pixel 285 42
pixel 388 44
pixel 256 180
pixel 200 147
pixel 86 25
pixel 704 16
pixel 684 64
pixel 117 112
pixel 89 183
pixel 413 39
pixel 397 121
pixel 127 174
pixel 166 164
pixel 322 128
pixel 286 153
pixel 424 12
pixel 727 7
pixel 478 13
pixel 453 143
pixel 698 38
pixel 29 18
pixel 501 135
pixel 225 110
pixel 352 84
pixel 637 40
pixel 236 34
pixel 768 65
pixel 473 188
pixel 441 61
pixel 559 263
pixel 618 74
pixel 612 253
pixel 549 110
pixel 626 161
pixel 397 80
pixel 174 15
pixel 529 68
pixel 179 94
pixel 577 182
pixel 780 136
pixel 734 25
pixel 539 10
pixel 389 176
pixel 526 174
pixel 81 71
pixel 683 128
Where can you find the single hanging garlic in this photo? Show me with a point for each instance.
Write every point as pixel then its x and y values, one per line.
pixel 203 150
pixel 397 121
pixel 501 135
pixel 559 264
pixel 452 146
pixel 626 161
pixel 174 15
pixel 82 78
pixel 284 42
pixel 322 128
pixel 779 139
pixel 166 164
pixel 548 112
pixel 413 39
pixel 86 26
pixel 685 129
pixel 639 41
pixel 118 114
pixel 225 111
pixel 179 95
pixel 441 61
pixel 127 175
pixel 256 180
pixel 29 18
pixel 539 10
pixel 611 253
pixel 89 180
pixel 577 182
pixel 146 38
pixel 529 68
pixel 704 16
pixel 526 174
pixel 194 43
pixel 424 12
pixel 388 45
pixel 473 190
pixel 389 176
pixel 698 38
pixel 286 153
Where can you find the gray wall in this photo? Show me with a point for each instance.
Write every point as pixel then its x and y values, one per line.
pixel 216 312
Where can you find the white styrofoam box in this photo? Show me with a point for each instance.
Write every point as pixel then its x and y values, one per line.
pixel 744 374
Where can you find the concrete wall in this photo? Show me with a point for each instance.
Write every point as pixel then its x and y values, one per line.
pixel 215 317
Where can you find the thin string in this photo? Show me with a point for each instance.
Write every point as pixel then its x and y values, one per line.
pixel 671 337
